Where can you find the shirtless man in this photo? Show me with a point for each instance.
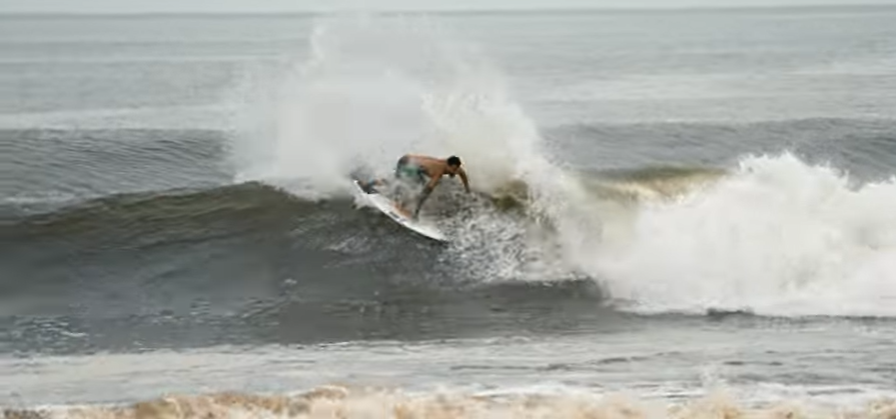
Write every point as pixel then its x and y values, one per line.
pixel 427 171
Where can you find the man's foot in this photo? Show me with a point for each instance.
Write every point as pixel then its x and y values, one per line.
pixel 404 212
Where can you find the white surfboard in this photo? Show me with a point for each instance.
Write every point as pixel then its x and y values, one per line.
pixel 388 207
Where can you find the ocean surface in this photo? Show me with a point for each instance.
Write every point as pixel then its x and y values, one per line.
pixel 686 214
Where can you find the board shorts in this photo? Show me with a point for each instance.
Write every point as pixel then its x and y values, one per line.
pixel 408 171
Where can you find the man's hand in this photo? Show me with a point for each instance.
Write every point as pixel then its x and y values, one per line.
pixel 463 177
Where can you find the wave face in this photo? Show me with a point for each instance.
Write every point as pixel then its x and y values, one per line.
pixel 248 263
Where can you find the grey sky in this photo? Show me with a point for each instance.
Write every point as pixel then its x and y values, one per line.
pixel 140 6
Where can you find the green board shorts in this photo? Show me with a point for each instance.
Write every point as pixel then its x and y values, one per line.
pixel 407 171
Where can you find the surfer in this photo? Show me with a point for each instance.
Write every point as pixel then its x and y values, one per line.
pixel 425 171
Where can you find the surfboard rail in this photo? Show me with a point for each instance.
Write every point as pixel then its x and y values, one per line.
pixel 393 211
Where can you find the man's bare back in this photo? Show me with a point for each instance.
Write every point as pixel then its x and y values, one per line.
pixel 436 168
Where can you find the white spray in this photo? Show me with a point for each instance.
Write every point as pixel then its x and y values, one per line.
pixel 377 88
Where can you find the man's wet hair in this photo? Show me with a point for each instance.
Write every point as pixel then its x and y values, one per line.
pixel 454 161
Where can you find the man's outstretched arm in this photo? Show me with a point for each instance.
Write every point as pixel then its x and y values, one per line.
pixel 463 177
pixel 426 191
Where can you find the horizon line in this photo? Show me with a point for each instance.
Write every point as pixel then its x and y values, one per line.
pixel 550 10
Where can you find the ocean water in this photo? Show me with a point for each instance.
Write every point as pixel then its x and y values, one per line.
pixel 675 214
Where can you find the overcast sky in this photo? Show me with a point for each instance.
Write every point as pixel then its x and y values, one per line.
pixel 141 6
